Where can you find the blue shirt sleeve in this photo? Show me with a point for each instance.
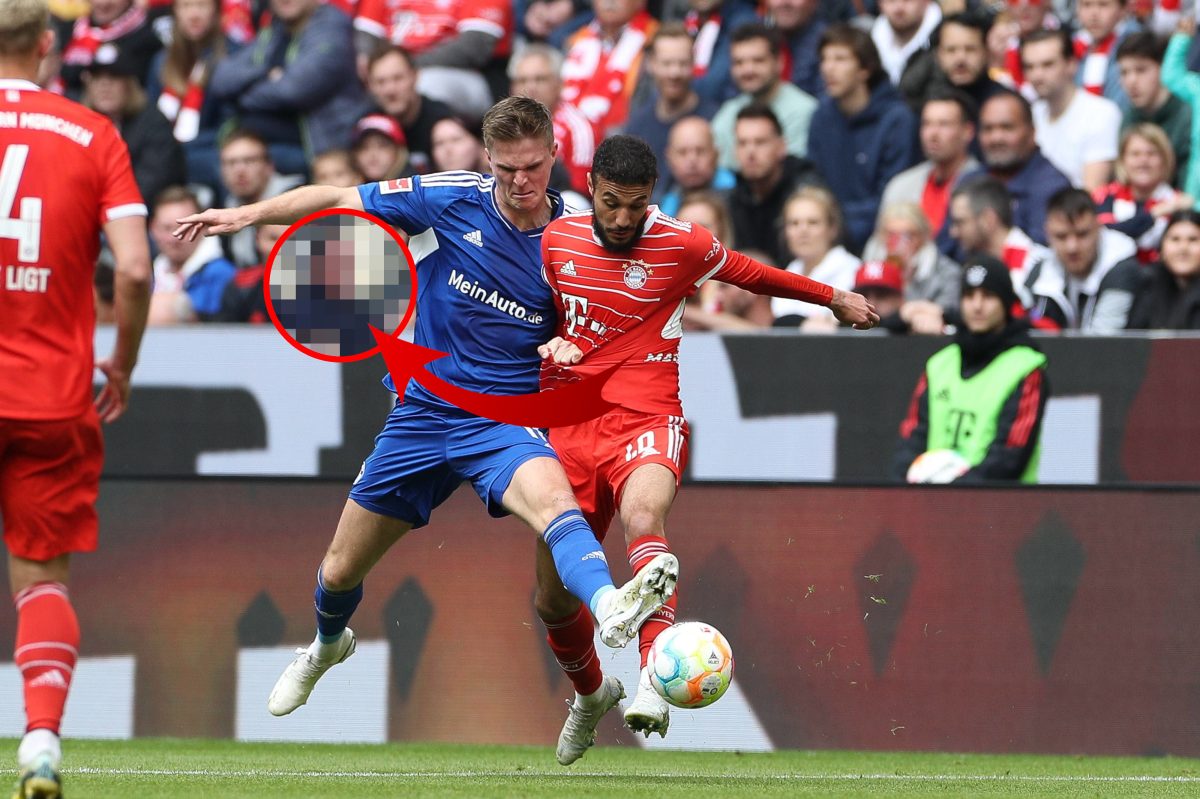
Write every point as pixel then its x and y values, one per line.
pixel 402 202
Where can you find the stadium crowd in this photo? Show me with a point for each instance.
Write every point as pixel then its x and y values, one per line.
pixel 870 144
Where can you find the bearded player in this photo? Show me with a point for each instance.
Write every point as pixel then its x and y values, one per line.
pixel 621 275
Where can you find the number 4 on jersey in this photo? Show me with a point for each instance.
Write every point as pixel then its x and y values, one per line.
pixel 27 228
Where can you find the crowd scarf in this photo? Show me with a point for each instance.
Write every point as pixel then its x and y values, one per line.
pixel 86 38
pixel 600 79
pixel 183 112
pixel 704 31
pixel 237 20
pixel 1093 58
pixel 1116 203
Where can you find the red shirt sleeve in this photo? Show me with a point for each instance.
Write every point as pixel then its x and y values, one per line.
pixel 751 275
pixel 119 196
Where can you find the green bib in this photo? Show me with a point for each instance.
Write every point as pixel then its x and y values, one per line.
pixel 963 413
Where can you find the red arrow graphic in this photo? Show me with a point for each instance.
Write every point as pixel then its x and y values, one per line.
pixel 573 404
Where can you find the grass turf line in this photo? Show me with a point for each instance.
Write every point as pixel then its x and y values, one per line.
pixel 195 769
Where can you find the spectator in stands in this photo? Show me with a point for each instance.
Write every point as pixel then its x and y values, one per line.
pixel 380 151
pixel 801 25
pixel 243 300
pixel 812 227
pixel 189 276
pixel 1139 201
pixel 863 134
pixel 1140 59
pixel 981 221
pixel 249 176
pixel 882 283
pixel 296 84
pixel 548 21
pixel 1077 130
pixel 1029 16
pixel 336 168
pixel 983 396
pixel 767 176
pixel 902 28
pixel 669 63
pixel 1103 27
pixel 535 71
pixel 1011 154
pixel 178 85
pixel 1090 282
pixel 702 310
pixel 112 89
pixel 461 47
pixel 692 164
pixel 756 53
pixel 712 24
pixel 392 82
pixel 957 58
pixel 1169 299
pixel 931 279
pixel 458 144
pixel 125 24
pixel 604 60
pixel 947 130
pixel 1186 85
pixel 1001 35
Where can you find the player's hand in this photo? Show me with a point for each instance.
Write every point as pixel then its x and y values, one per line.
pixel 560 351
pixel 854 310
pixel 213 222
pixel 113 398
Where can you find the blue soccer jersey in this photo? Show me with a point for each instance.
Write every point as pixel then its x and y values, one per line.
pixel 480 292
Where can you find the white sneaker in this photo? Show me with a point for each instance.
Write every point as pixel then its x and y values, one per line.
pixel 648 712
pixel 298 679
pixel 624 609
pixel 579 732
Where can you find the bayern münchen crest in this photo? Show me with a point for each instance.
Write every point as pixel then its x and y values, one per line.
pixel 636 274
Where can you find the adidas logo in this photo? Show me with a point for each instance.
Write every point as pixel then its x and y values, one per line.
pixel 51 679
pixel 475 237
pixel 569 269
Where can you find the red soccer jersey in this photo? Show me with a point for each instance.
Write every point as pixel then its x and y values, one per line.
pixel 419 25
pixel 627 307
pixel 64 173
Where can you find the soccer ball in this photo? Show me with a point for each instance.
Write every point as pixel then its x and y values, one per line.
pixel 937 466
pixel 691 665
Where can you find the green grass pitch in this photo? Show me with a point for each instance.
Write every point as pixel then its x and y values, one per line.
pixel 194 769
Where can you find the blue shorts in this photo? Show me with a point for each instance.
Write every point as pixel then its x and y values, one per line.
pixel 424 453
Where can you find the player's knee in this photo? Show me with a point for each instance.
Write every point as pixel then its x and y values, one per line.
pixel 337 573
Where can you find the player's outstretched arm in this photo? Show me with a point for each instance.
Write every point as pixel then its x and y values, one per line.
pixel 853 309
pixel 289 207
pixel 131 302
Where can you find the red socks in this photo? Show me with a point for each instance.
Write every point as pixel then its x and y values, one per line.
pixel 572 641
pixel 47 646
pixel 641 552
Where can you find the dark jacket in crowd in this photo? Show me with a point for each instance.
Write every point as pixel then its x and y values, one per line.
pixel 758 224
pixel 1031 187
pixel 1162 304
pixel 157 158
pixel 858 155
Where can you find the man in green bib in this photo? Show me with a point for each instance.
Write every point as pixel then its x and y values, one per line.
pixel 983 396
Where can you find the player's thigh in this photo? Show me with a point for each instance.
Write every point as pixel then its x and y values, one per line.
pixel 49 481
pixel 361 539
pixel 408 473
pixel 647 474
pixel 552 600
pixel 581 452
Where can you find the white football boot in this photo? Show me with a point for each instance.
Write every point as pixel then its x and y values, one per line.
pixel 623 610
pixel 648 712
pixel 300 677
pixel 583 714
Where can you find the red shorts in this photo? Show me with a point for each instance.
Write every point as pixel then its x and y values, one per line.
pixel 49 480
pixel 599 456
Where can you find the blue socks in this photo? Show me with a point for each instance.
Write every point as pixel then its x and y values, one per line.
pixel 334 609
pixel 579 558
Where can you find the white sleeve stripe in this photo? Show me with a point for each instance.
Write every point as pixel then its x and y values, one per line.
pixel 716 269
pixel 129 209
pixel 370 26
pixel 482 26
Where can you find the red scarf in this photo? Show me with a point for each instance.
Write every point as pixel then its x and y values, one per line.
pixel 184 112
pixel 599 77
pixel 704 32
pixel 86 38
pixel 236 20
pixel 1093 59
